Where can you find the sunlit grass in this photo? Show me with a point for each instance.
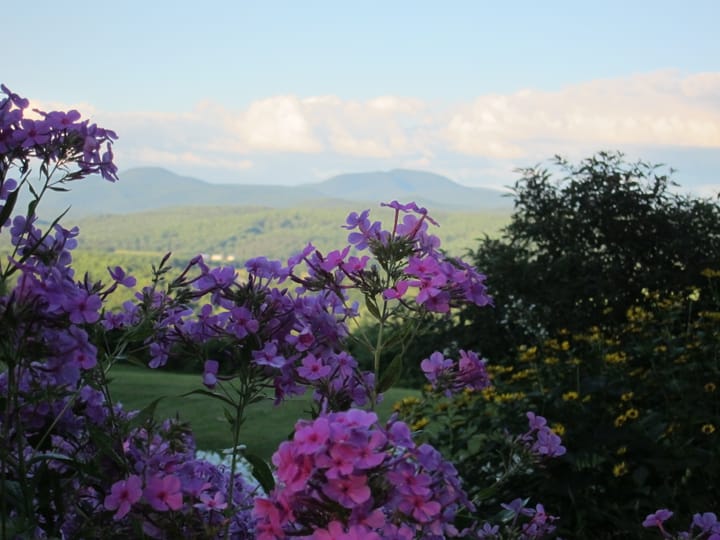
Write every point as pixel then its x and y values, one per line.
pixel 266 424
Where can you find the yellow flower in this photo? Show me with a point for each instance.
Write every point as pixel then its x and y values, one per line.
pixel 660 349
pixel 565 345
pixel 632 414
pixel 620 420
pixel 710 273
pixel 527 353
pixel 616 358
pixel 488 393
pixel 405 403
pixel 694 295
pixel 558 429
pixel 627 396
pixel 621 451
pixel 570 396
pixel 508 396
pixel 524 374
pixel 708 429
pixel 420 424
pixel 551 360
pixel 710 387
pixel 620 469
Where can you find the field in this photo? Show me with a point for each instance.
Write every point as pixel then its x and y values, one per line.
pixel 266 425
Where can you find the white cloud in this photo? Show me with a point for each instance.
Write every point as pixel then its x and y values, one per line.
pixel 661 108
pixel 494 132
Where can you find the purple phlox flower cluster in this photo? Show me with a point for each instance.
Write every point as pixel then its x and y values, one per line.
pixel 450 377
pixel 419 272
pixel 168 489
pixel 521 522
pixel 291 339
pixel 704 526
pixel 345 476
pixel 540 440
pixel 55 136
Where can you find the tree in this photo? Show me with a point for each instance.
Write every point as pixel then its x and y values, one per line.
pixel 581 249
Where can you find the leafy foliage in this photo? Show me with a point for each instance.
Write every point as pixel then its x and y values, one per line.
pixel 580 250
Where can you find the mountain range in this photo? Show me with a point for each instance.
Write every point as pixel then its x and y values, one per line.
pixel 150 188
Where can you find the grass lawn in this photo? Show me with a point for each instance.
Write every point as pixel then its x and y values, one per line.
pixel 266 425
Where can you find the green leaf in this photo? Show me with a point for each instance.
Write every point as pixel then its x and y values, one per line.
pixel 11 491
pixel 208 393
pixel 261 472
pixel 51 455
pixel 145 414
pixel 229 416
pixel 105 445
pixel 7 209
pixel 391 374
pixel 372 307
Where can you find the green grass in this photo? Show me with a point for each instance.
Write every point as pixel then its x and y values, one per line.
pixel 266 425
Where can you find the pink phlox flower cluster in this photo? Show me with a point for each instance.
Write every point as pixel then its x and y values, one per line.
pixel 345 476
pixel 540 440
pixel 450 377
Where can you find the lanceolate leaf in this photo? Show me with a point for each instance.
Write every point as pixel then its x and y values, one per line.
pixel 261 472
pixel 391 375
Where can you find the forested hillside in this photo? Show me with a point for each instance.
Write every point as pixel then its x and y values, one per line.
pixel 234 234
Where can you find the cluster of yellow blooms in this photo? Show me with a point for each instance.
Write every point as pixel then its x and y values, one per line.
pixel 630 414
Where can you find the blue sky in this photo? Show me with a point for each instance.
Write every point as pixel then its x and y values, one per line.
pixel 287 92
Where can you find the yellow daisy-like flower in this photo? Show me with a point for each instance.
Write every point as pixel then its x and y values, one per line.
pixel 620 469
pixel 620 420
pixel 616 357
pixel 551 360
pixel 524 374
pixel 710 387
pixel 527 353
pixel 565 345
pixel 632 414
pixel 405 403
pixel 621 451
pixel 710 273
pixel 570 396
pixel 420 424
pixel 694 295
pixel 558 429
pixel 627 396
pixel 488 393
pixel 708 429
pixel 508 396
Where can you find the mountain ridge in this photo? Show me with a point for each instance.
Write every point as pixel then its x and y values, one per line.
pixel 149 188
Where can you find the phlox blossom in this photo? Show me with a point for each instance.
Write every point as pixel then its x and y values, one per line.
pixel 123 494
pixel 163 493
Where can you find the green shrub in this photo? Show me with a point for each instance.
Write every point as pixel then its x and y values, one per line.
pixel 637 405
